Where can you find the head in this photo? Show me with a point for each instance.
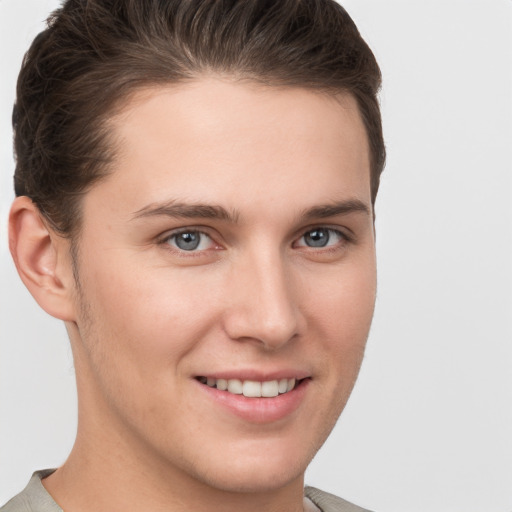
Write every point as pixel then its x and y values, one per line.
pixel 204 175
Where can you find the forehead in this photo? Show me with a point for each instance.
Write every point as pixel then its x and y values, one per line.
pixel 216 138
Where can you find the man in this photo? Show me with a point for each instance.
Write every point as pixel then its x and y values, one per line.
pixel 195 185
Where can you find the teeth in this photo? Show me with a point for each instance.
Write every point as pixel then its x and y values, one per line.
pixel 222 384
pixel 235 386
pixel 283 386
pixel 251 388
pixel 270 388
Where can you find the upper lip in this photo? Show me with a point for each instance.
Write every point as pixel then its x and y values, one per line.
pixel 256 375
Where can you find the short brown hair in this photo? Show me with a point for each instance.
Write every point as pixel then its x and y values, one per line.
pixel 96 52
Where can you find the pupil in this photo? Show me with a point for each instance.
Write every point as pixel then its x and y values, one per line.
pixel 188 241
pixel 317 238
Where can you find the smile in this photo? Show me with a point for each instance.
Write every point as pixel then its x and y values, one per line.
pixel 256 401
pixel 251 388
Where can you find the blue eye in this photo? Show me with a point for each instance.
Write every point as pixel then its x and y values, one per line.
pixel 190 241
pixel 321 237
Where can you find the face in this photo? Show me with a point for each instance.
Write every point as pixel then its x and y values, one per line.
pixel 231 247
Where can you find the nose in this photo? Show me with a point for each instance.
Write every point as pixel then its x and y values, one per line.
pixel 263 305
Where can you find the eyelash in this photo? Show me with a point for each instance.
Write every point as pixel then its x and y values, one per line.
pixel 172 236
pixel 344 239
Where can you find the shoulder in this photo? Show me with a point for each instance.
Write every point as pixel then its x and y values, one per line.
pixel 329 502
pixel 33 498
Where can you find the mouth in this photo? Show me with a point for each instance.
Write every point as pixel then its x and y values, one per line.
pixel 256 401
pixel 252 388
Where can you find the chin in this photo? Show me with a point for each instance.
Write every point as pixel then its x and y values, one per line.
pixel 256 479
pixel 261 468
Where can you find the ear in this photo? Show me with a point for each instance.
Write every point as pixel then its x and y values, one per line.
pixel 42 259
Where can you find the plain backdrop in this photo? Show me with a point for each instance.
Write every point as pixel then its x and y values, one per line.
pixel 429 425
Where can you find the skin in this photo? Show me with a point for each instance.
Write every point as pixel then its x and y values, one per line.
pixel 146 318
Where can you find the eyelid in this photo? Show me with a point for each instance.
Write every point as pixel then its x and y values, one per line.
pixel 168 235
pixel 338 230
pixel 343 231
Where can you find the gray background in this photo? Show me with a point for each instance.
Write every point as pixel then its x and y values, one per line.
pixel 429 426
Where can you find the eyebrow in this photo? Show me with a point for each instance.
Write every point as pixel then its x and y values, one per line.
pixel 180 210
pixel 335 209
pixel 187 211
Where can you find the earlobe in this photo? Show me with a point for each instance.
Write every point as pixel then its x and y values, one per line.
pixel 42 259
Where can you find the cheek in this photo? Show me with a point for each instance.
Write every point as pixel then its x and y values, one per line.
pixel 142 314
pixel 340 321
pixel 341 316
pixel 344 305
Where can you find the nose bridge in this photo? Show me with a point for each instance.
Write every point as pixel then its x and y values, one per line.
pixel 264 306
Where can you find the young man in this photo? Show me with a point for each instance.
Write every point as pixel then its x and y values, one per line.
pixel 195 185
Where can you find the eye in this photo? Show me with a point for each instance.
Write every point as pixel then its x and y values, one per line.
pixel 190 241
pixel 321 237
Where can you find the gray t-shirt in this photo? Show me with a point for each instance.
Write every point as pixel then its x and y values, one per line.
pixel 35 498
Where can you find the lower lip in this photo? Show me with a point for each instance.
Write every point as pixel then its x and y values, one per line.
pixel 259 410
